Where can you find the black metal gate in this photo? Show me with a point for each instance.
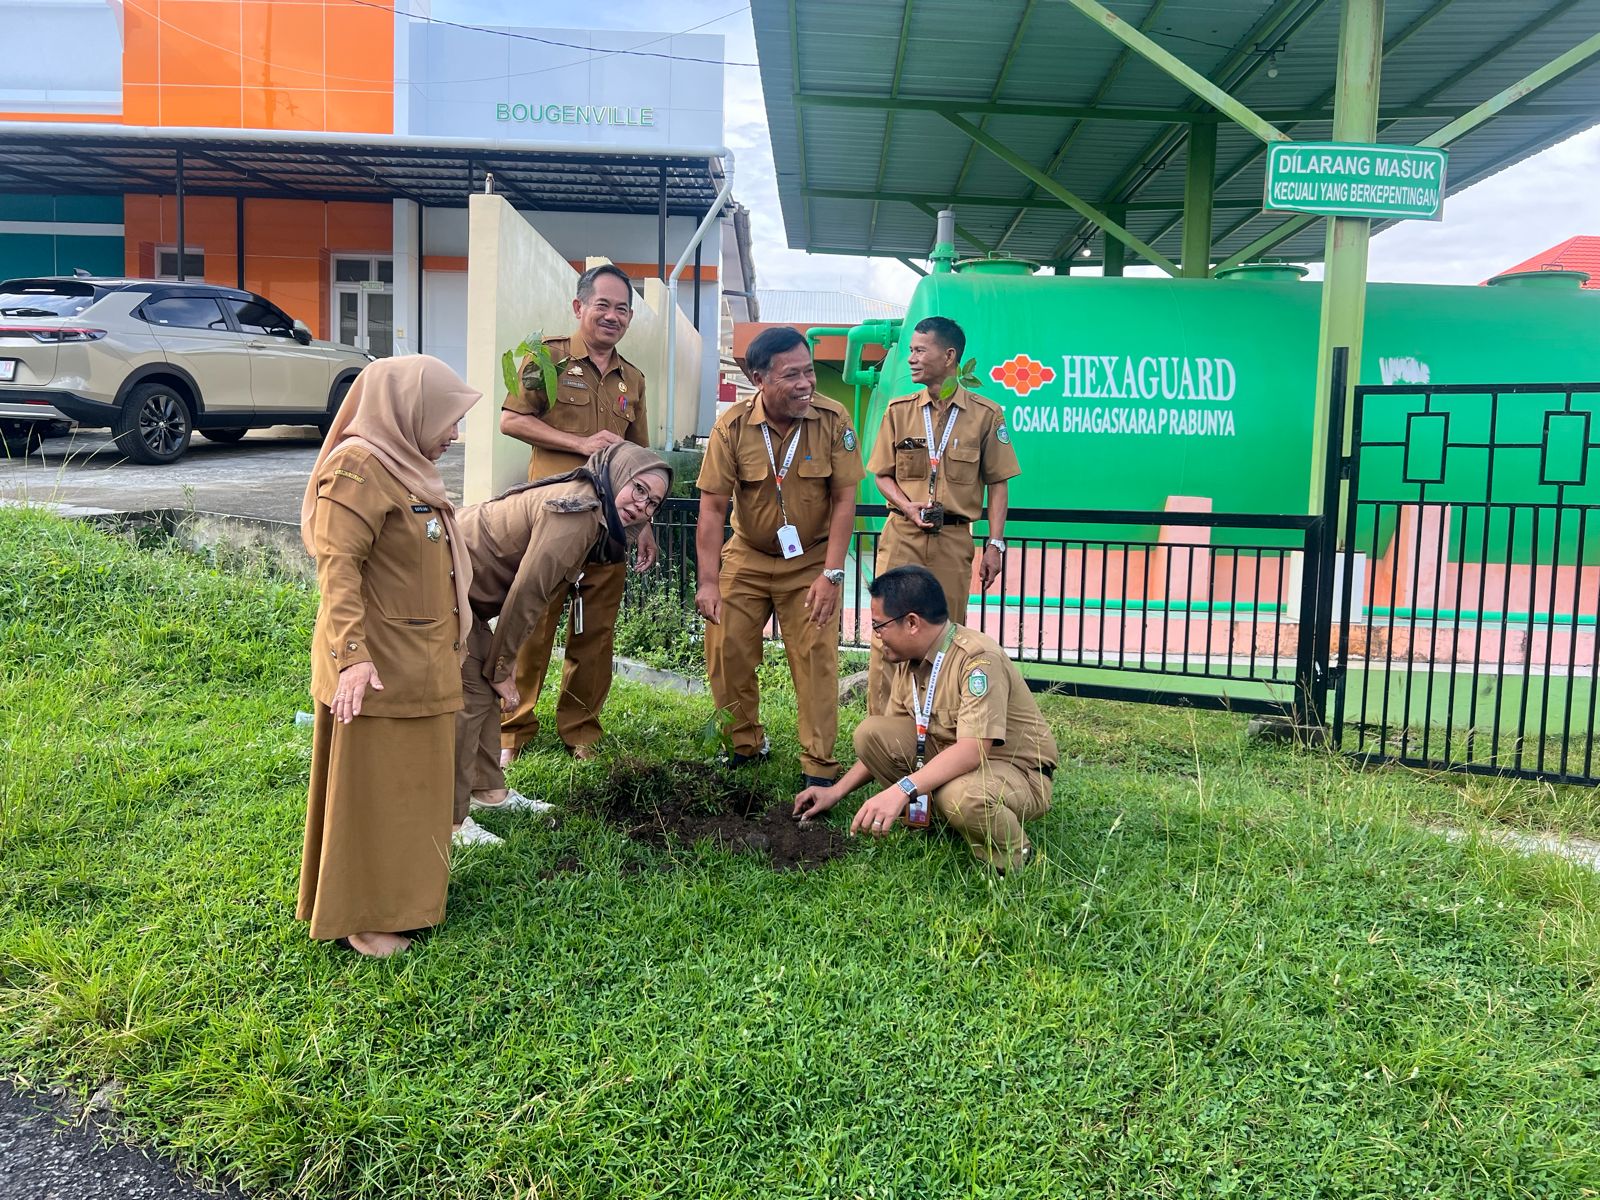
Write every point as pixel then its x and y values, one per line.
pixel 1464 620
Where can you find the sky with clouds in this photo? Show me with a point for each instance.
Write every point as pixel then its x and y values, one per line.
pixel 1488 227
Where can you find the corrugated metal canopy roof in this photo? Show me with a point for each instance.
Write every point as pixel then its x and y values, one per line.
pixel 287 166
pixel 861 173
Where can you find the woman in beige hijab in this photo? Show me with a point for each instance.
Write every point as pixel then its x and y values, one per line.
pixel 385 657
pixel 528 548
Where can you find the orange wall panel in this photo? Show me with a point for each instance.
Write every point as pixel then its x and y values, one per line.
pixel 260 64
pixel 360 112
pixel 198 43
pixel 361 41
pixel 288 243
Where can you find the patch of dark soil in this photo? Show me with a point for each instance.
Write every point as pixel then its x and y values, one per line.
pixel 681 802
pixel 564 866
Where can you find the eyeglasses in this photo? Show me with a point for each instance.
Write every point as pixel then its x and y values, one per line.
pixel 877 626
pixel 642 495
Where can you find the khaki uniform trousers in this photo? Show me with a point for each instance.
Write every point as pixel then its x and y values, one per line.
pixel 948 554
pixel 477 727
pixel 586 675
pixel 754 587
pixel 986 807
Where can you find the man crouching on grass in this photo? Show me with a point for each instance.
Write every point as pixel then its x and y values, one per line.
pixel 961 730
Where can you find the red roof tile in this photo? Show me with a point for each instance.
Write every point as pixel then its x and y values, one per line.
pixel 1575 254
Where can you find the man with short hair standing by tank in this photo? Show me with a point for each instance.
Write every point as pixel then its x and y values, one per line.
pixel 934 456
pixel 787 463
pixel 599 401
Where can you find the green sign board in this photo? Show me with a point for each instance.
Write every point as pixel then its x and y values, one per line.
pixel 1349 179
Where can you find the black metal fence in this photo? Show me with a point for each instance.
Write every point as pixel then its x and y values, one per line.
pixel 1471 579
pixel 1193 608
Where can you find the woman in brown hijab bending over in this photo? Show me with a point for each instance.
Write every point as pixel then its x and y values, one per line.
pixel 528 547
pixel 386 657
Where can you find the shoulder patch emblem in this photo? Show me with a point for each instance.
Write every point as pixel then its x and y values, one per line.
pixel 1001 436
pixel 348 474
pixel 977 683
pixel 849 438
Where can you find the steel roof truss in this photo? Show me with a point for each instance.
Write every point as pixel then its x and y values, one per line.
pixel 1082 207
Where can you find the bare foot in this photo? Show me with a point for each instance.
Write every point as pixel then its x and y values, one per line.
pixel 378 945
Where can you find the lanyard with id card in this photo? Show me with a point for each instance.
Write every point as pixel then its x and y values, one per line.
pixel 788 535
pixel 922 713
pixel 933 511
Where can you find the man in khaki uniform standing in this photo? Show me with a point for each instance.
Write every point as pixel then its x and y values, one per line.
pixel 933 458
pixel 963 738
pixel 600 402
pixel 787 462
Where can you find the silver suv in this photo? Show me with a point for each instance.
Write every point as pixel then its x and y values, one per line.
pixel 154 360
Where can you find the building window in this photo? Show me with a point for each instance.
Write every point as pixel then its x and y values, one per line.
pixel 194 263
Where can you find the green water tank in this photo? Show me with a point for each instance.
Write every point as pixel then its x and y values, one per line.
pixel 1126 392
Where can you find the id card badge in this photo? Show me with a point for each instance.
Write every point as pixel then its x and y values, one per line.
pixel 789 541
pixel 917 813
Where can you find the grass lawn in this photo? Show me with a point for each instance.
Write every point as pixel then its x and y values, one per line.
pixel 1238 968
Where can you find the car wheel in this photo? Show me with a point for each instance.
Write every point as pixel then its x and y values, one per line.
pixel 155 424
pixel 225 436
pixel 340 391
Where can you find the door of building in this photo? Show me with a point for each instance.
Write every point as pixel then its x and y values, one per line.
pixel 363 303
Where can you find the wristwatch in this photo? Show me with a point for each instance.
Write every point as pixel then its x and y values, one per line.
pixel 998 543
pixel 835 576
pixel 906 786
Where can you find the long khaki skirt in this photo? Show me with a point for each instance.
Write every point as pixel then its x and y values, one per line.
pixel 377 850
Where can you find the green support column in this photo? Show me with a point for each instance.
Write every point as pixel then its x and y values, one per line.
pixel 1199 189
pixel 1344 288
pixel 1116 255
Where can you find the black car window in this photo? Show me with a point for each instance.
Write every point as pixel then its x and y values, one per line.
pixel 257 316
pixel 23 299
pixel 185 312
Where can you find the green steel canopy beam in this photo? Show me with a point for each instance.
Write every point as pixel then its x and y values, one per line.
pixel 904 261
pixel 949 199
pixel 1503 99
pixel 1084 209
pixel 1490 108
pixel 1000 78
pixel 888 121
pixel 1420 110
pixel 1179 70
pixel 1198 195
pixel 999 108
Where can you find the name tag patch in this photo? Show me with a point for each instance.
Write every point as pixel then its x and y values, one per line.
pixel 421 508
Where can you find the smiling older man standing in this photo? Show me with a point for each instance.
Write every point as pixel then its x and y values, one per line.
pixel 600 403
pixel 787 462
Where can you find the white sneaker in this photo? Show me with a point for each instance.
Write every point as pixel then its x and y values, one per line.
pixel 515 802
pixel 473 834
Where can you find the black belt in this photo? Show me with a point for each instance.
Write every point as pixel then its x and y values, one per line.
pixel 949 519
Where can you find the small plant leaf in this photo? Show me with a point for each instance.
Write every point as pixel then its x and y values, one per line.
pixel 948 388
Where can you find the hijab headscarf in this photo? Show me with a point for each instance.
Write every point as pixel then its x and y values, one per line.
pixel 608 471
pixel 395 408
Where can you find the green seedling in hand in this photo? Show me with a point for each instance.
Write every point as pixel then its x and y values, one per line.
pixel 511 360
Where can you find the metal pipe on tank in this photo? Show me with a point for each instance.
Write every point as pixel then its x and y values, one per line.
pixel 943 258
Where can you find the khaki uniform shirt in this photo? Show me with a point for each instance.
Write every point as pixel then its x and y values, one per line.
pixel 525 555
pixel 588 402
pixel 980 694
pixel 979 452
pixel 736 464
pixel 388 590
